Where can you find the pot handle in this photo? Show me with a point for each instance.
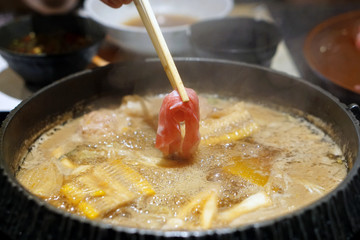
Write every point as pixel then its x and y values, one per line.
pixel 355 109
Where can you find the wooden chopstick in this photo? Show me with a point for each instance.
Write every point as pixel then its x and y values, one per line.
pixel 152 27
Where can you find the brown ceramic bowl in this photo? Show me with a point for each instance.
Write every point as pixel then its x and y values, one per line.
pixel 331 52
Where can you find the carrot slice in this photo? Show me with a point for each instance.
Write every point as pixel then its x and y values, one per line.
pixel 255 170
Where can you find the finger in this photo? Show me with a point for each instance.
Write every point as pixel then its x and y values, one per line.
pixel 113 3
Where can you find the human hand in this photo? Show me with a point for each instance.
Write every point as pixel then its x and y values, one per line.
pixel 63 6
pixel 51 6
pixel 116 3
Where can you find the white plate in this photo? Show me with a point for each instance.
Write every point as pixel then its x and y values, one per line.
pixel 136 39
pixel 7 102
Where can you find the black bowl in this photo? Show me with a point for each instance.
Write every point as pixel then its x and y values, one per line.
pixel 40 69
pixel 236 38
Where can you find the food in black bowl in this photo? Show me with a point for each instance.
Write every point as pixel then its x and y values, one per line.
pixel 119 140
pixel 43 49
pixel 236 38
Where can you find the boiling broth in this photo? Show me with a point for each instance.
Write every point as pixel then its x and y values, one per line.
pixel 253 163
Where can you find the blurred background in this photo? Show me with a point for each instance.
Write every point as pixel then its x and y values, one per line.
pixel 295 54
pixel 297 51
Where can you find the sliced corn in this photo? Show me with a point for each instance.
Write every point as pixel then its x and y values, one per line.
pixel 98 193
pixel 88 210
pixel 106 187
pixel 227 125
pixel 43 180
pixel 86 198
pixel 238 134
pixel 73 193
pixel 223 119
pixel 129 177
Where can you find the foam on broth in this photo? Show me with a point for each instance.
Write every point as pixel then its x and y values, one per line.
pixel 283 165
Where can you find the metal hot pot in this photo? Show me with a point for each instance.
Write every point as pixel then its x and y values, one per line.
pixel 25 216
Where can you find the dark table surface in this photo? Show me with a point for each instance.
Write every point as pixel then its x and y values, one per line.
pixel 2 118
